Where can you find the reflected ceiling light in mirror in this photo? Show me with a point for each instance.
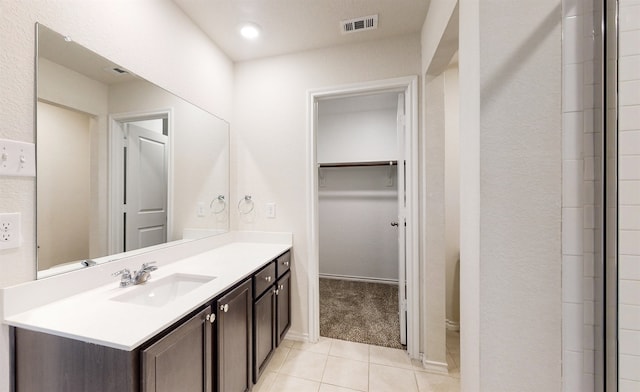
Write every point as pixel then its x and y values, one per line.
pixel 249 31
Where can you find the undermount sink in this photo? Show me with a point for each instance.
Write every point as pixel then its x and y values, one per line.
pixel 163 291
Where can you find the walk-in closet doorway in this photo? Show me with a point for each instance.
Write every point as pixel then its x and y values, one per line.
pixel 363 283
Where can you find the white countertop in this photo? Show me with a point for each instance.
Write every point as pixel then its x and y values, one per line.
pixel 92 316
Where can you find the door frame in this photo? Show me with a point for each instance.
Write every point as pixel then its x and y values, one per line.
pixel 115 224
pixel 408 85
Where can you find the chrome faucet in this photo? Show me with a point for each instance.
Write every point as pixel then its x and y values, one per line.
pixel 138 277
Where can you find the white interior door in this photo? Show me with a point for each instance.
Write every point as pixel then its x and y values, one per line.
pixel 402 227
pixel 146 178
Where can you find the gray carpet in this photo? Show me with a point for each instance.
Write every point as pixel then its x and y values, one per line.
pixel 360 312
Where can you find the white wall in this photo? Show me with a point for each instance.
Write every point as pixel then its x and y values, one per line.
pixel 629 196
pixel 452 193
pixel 510 74
pixel 356 206
pixel 269 136
pixel 172 52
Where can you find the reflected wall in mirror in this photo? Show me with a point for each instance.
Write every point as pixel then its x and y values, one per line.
pixel 121 163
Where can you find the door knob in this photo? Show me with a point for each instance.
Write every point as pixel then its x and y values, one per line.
pixel 224 308
pixel 394 223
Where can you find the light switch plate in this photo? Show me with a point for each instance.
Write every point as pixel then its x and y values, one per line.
pixel 10 230
pixel 17 158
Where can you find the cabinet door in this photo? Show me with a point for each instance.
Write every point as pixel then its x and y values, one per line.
pixel 234 339
pixel 283 307
pixel 264 327
pixel 182 360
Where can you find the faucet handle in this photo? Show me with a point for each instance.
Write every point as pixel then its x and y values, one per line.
pixel 149 267
pixel 124 272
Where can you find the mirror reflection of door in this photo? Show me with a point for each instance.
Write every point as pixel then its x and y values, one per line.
pixel 64 164
pixel 145 158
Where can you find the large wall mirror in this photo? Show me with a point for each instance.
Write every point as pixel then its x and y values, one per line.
pixel 122 165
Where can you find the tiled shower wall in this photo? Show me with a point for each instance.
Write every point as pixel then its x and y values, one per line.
pixel 629 196
pixel 581 224
pixel 581 103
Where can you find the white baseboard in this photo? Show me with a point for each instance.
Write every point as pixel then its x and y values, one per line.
pixel 297 337
pixel 359 279
pixel 435 367
pixel 452 325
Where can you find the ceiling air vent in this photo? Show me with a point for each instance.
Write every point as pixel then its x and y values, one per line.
pixel 359 24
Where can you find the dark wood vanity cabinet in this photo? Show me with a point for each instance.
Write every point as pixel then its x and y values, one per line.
pixel 182 360
pixel 222 346
pixel 272 312
pixel 234 348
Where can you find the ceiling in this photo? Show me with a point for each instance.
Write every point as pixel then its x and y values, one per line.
pixel 296 25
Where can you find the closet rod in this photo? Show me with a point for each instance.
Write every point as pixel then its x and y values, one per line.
pixel 355 164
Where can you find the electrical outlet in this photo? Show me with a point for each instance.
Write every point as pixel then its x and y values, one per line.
pixel 270 210
pixel 10 230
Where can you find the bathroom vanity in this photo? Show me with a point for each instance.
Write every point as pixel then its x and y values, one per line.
pixel 207 322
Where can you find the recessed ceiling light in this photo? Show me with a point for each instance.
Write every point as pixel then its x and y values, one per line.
pixel 250 31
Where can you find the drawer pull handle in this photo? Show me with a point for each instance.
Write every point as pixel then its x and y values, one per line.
pixel 224 308
pixel 268 278
pixel 210 318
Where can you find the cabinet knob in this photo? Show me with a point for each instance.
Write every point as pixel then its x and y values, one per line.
pixel 224 308
pixel 268 278
pixel 285 263
pixel 276 291
pixel 281 287
pixel 211 318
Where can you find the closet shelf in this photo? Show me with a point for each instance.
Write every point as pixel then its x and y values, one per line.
pixel 356 164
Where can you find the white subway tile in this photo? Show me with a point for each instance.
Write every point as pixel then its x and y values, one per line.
pixel 572 326
pixel 628 386
pixel 589 217
pixel 572 276
pixel 628 316
pixel 572 40
pixel 628 242
pixel 588 120
pixel 629 118
pixel 629 267
pixel 572 88
pixel 629 92
pixel 588 260
pixel 572 183
pixel 588 289
pixel 629 293
pixel 629 142
pixel 572 135
pixel 629 342
pixel 588 145
pixel 572 232
pixel 629 192
pixel 629 18
pixel 572 370
pixel 629 68
pixel 589 313
pixel 588 337
pixel 628 366
pixel 629 167
pixel 629 218
pixel 589 74
pixel 589 192
pixel 588 101
pixel 588 382
pixel 629 43
pixel 588 240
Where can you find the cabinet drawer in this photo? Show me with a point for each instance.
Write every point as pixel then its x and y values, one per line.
pixel 283 263
pixel 264 279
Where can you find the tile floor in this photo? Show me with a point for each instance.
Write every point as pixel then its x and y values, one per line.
pixel 339 366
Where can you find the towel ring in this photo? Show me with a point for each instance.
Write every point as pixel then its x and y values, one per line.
pixel 218 205
pixel 248 203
